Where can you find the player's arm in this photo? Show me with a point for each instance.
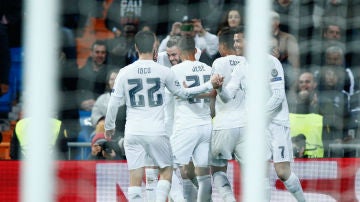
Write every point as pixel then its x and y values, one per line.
pixel 212 104
pixel 117 99
pixel 211 94
pixel 228 92
pixel 175 87
pixel 277 88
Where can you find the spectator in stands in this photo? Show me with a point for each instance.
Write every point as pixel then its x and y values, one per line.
pixel 57 146
pixel 339 83
pixel 331 36
pixel 175 31
pixel 92 76
pixel 302 20
pixel 335 11
pixel 99 111
pixel 335 59
pixel 306 99
pixel 104 149
pixel 231 18
pixel 208 43
pixel 332 32
pixel 289 51
pixel 10 16
pixel 121 48
pixel 299 146
pixel 331 86
pixel 285 9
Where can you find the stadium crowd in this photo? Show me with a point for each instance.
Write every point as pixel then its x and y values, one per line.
pixel 317 43
pixel 315 74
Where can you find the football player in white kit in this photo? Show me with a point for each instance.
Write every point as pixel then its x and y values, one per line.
pixel 227 137
pixel 167 58
pixel 192 124
pixel 279 140
pixel 140 86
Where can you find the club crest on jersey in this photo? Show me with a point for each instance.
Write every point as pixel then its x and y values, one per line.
pixel 274 74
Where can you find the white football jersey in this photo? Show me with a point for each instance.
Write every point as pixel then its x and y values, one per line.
pixel 277 106
pixel 141 86
pixel 233 113
pixel 194 111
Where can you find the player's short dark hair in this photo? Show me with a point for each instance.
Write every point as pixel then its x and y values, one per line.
pixel 239 30
pixel 187 43
pixel 144 41
pixel 173 41
pixel 226 37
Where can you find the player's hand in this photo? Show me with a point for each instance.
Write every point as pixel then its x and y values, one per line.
pixel 217 80
pixel 185 85
pixel 175 29
pixel 109 133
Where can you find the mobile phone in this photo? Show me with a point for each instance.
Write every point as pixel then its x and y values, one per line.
pixel 187 27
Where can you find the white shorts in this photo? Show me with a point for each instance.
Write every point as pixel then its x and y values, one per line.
pixel 225 144
pixel 279 146
pixel 192 143
pixel 144 150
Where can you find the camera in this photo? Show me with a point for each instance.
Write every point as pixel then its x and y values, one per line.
pixel 107 147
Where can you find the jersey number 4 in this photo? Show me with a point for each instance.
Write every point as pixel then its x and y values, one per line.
pixel 140 101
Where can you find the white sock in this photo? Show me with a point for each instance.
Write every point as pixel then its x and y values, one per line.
pixel 176 191
pixel 188 190
pixel 151 183
pixel 162 190
pixel 222 183
pixel 135 194
pixel 205 191
pixel 293 185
